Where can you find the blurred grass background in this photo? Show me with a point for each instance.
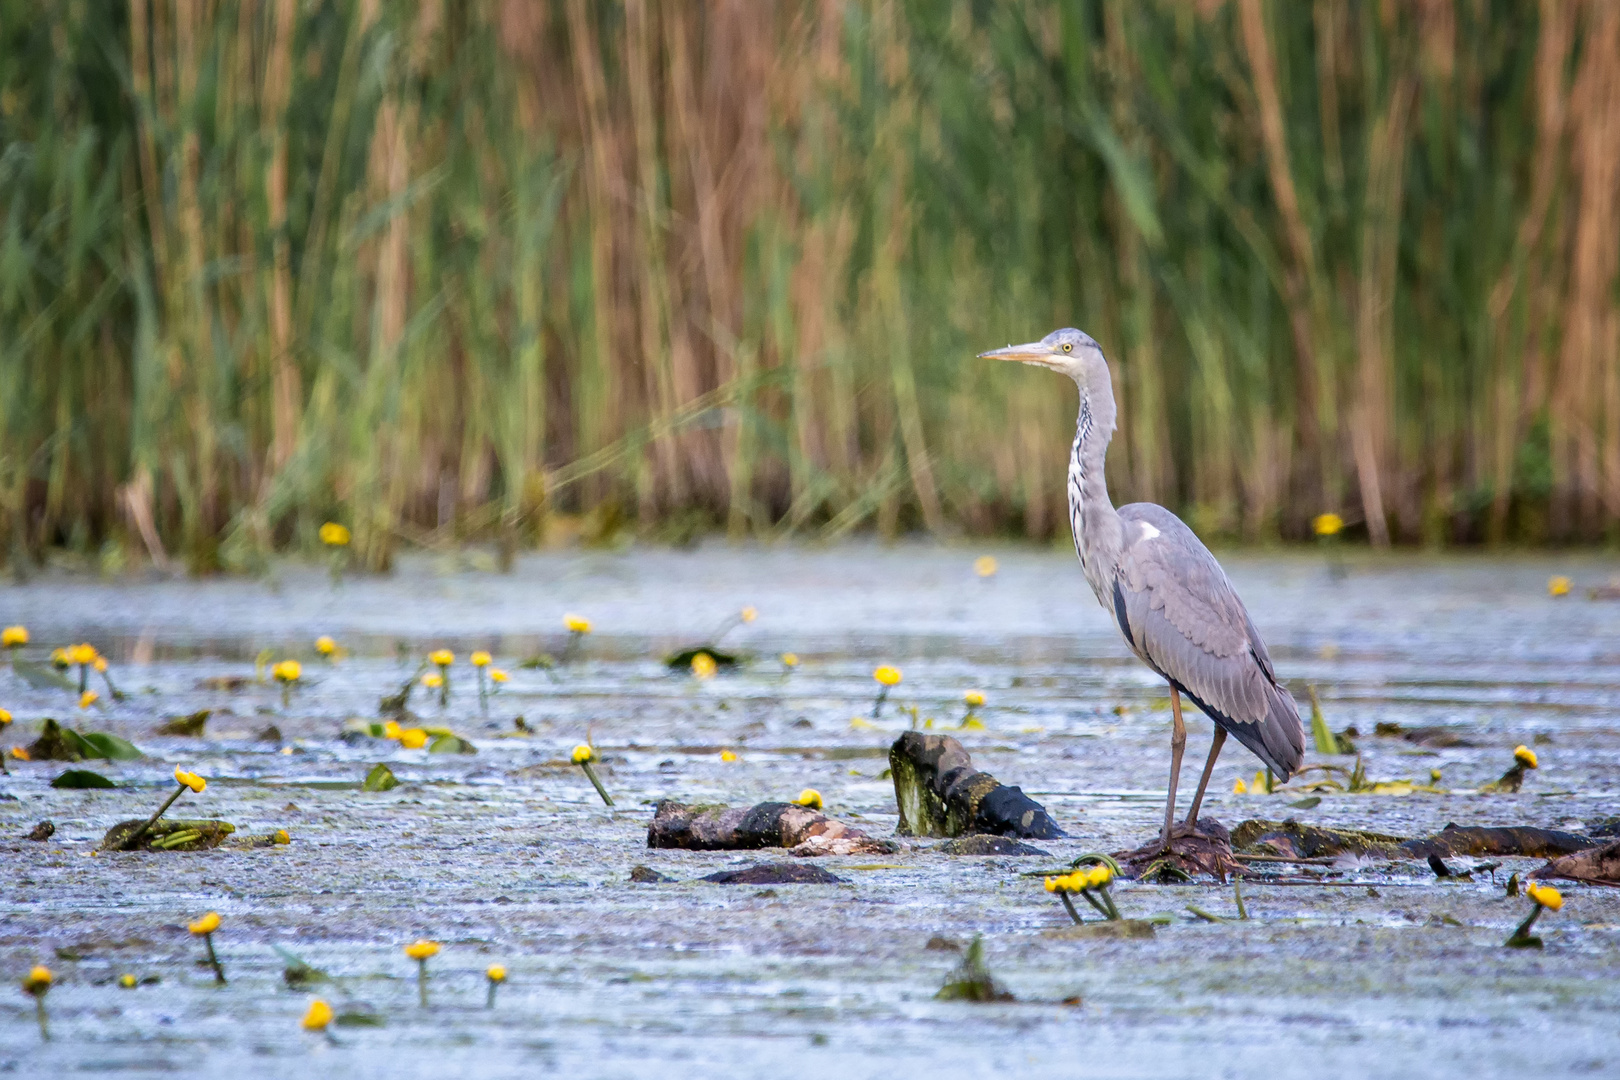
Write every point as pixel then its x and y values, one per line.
pixel 508 269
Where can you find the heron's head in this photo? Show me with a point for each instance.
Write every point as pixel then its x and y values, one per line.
pixel 1070 351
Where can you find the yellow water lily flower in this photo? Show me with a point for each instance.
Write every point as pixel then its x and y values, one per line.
pixel 809 797
pixel 83 654
pixel 495 973
pixel 985 566
pixel 392 730
pixel 481 659
pixel 887 675
pixel 100 664
pixel 583 753
pixel 38 980
pixel 728 756
pixel 280 837
pixel 1545 895
pixel 496 675
pixel 748 614
pixel 413 738
pixel 318 1016
pixel 205 925
pixel 577 624
pixel 1239 787
pixel 973 699
pixel 190 780
pixel 13 637
pixel 21 754
pixel 288 671
pixel 325 645
pixel 88 698
pixel 127 981
pixel 442 657
pixel 433 680
pixel 421 949
pixel 335 535
pixel 5 718
pixel 703 666
pixel 1558 586
pixel 1525 756
pixel 1327 524
pixel 790 660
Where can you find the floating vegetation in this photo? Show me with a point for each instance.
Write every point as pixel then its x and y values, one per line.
pixel 380 778
pixel 888 677
pixel 584 756
pixel 971 980
pixel 421 950
pixel 36 984
pixel 57 743
pixel 82 779
pixel 1542 898
pixel 204 928
pixel 495 974
pixel 296 972
pixel 1524 759
pixel 1089 880
pixel 117 840
pixel 686 658
pixel 188 726
pixel 1324 739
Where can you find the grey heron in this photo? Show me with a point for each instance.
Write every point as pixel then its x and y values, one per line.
pixel 1170 598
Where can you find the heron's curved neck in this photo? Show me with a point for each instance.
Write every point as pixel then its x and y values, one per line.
pixel 1098 533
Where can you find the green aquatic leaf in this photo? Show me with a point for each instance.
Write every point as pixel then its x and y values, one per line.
pixel 82 778
pixel 380 778
pixel 42 676
pixel 451 744
pixel 98 744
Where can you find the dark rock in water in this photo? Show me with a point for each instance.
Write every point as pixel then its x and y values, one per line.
pixel 806 832
pixel 1203 848
pixel 1514 840
pixel 1600 865
pixel 1296 840
pixel 940 943
pixel 982 844
pixel 42 831
pixel 169 834
pixel 647 875
pixel 940 793
pixel 776 874
pixel 269 734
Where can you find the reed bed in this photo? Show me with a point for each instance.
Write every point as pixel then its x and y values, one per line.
pixel 507 270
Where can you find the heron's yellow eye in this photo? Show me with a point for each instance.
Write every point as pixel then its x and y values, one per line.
pixel 1067 347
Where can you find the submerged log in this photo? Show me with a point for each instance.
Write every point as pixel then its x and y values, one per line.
pixel 940 793
pixel 805 832
pixel 1508 840
pixel 1599 866
pixel 1295 839
pixel 775 874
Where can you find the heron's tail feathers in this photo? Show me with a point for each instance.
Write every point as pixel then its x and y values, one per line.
pixel 1279 739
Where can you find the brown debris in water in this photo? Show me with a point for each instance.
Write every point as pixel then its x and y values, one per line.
pixel 1294 839
pixel 1597 866
pixel 169 834
pixel 940 793
pixel 805 832
pixel 1204 848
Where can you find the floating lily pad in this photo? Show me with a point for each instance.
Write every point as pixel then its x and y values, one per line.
pixel 190 726
pixel 42 676
pixel 98 744
pixel 451 744
pixel 82 778
pixel 170 834
pixel 380 778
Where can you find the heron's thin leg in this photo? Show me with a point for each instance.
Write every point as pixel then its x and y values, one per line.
pixel 1209 767
pixel 1178 743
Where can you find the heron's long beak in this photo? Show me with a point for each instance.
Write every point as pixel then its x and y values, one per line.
pixel 1032 353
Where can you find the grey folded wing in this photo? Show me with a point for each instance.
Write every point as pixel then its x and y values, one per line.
pixel 1182 616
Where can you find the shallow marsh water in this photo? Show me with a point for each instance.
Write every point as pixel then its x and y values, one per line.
pixel 508 856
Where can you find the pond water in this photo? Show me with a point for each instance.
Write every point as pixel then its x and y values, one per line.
pixel 508 856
